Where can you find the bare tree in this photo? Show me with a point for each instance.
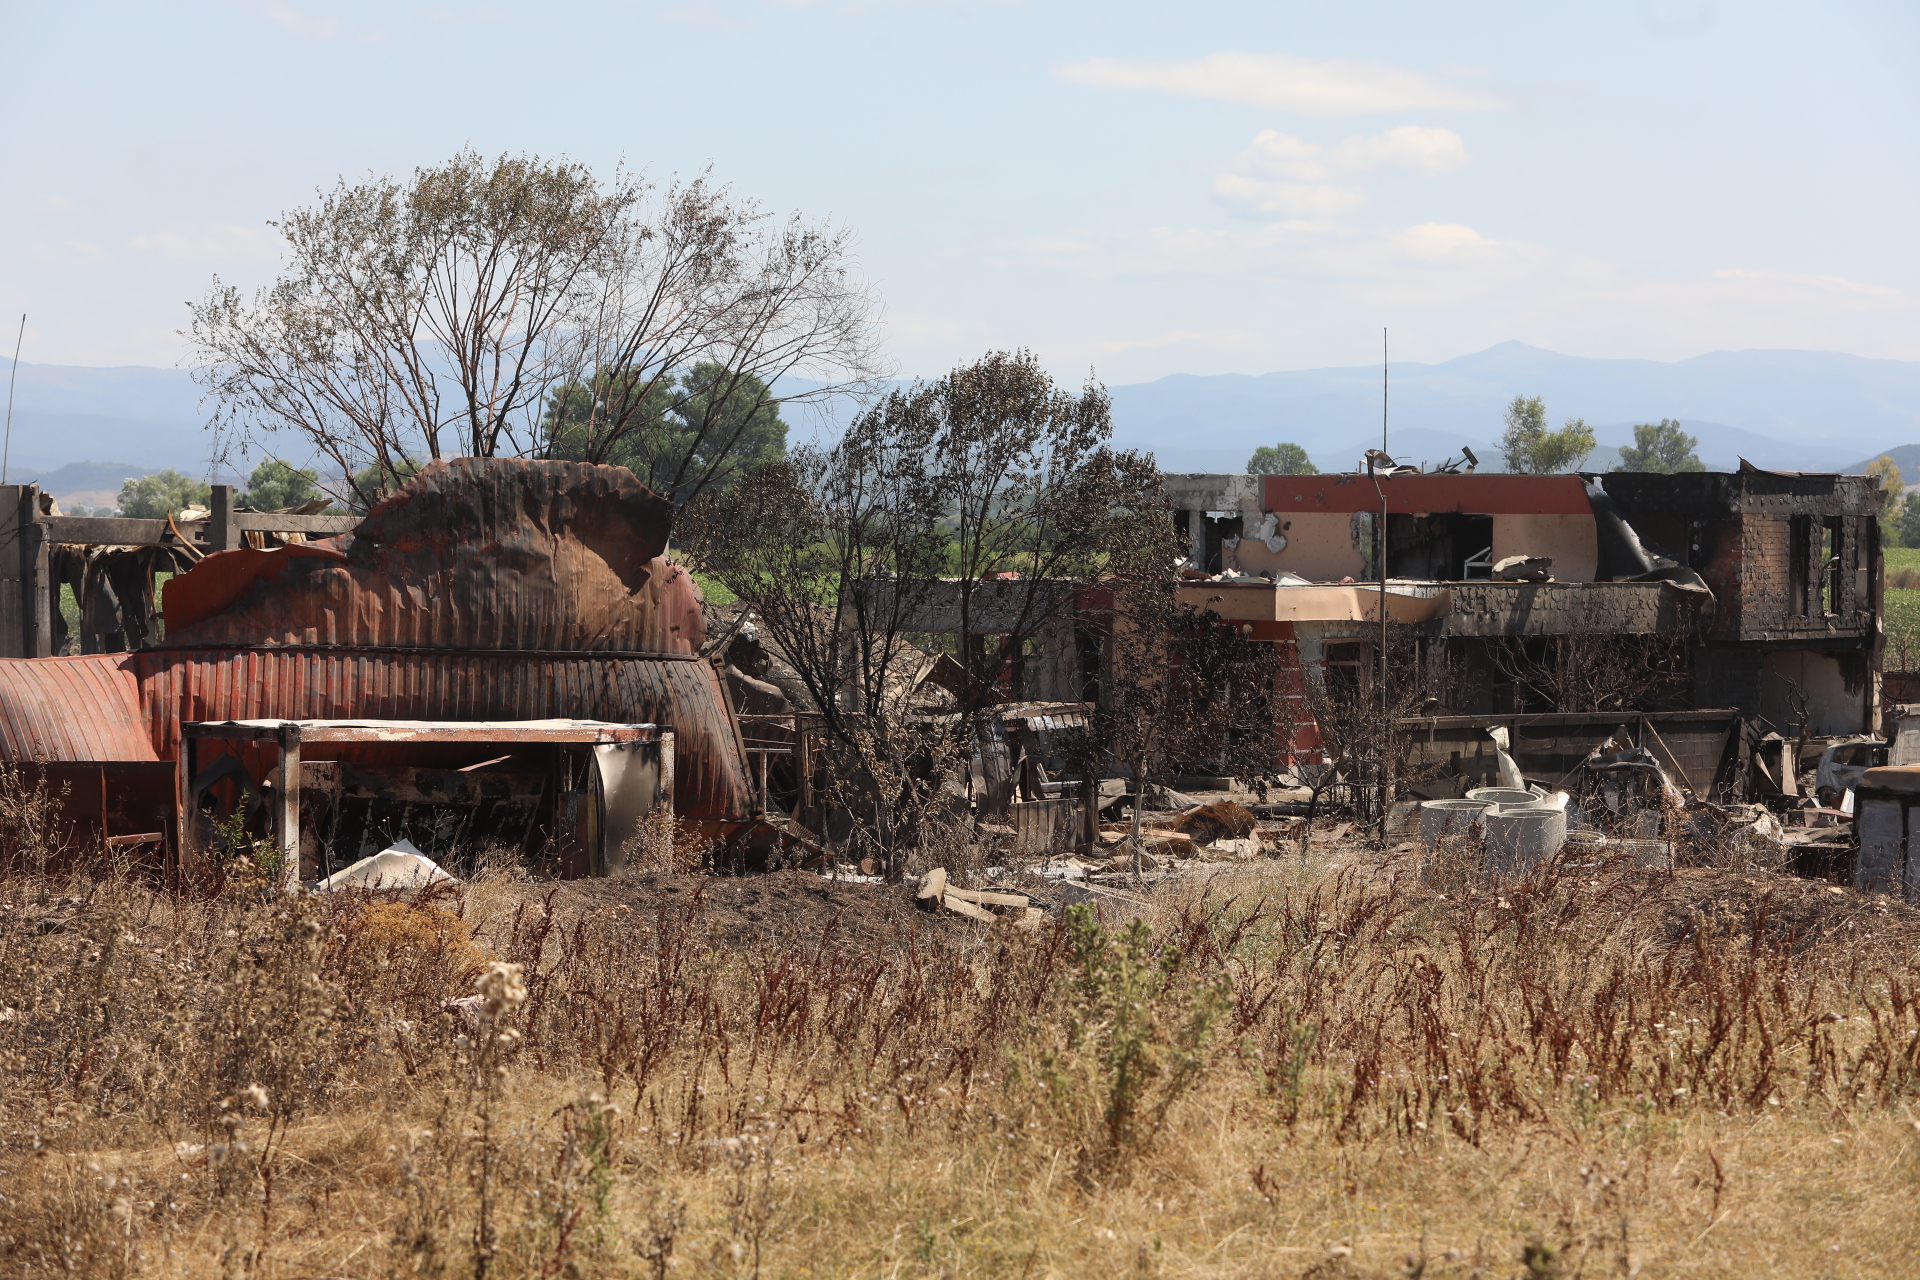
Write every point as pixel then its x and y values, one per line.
pixel 1357 725
pixel 1597 673
pixel 440 316
pixel 845 553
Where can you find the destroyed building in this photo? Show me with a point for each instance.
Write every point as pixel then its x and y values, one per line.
pixel 482 591
pixel 1772 579
pixel 1722 609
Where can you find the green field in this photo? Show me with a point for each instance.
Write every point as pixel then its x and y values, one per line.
pixel 1903 609
pixel 1901 558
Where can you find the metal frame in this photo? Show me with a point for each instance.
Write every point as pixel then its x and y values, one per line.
pixel 27 538
pixel 289 736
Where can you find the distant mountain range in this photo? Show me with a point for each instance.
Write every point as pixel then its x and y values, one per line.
pixel 1790 410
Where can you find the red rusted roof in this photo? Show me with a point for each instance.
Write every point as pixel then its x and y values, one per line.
pixel 1478 495
pixel 710 776
pixel 72 709
pixel 473 553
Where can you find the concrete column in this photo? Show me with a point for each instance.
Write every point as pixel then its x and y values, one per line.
pixel 1197 537
pixel 286 794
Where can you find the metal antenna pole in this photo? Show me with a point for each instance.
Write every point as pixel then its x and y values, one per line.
pixel 1384 728
pixel 6 452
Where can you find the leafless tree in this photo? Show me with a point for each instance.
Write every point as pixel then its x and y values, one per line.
pixel 1355 734
pixel 845 553
pixel 1575 673
pixel 443 315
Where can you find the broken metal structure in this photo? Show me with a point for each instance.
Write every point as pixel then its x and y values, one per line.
pixel 481 591
pixel 341 790
pixel 1772 580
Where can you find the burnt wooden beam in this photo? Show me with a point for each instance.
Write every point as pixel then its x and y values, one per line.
pixel 126 531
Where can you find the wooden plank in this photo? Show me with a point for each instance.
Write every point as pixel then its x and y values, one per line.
pixel 961 907
pixel 114 531
pixel 221 535
pixel 267 522
pixel 987 898
pixel 405 733
pixel 126 531
pixel 37 568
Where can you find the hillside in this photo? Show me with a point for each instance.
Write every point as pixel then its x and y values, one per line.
pixel 1793 410
pixel 1803 410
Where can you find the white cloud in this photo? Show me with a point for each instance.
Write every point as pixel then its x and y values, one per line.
pixel 1279 82
pixel 1443 242
pixel 1254 197
pixel 1410 147
pixel 1283 174
pixel 1825 284
pixel 219 240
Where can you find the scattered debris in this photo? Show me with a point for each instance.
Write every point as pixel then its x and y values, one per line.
pixel 399 866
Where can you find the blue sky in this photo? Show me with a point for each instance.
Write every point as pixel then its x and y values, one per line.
pixel 1139 189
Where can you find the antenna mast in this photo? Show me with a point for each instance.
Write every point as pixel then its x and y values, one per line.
pixel 6 451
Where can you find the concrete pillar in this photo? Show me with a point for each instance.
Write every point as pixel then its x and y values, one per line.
pixel 1197 537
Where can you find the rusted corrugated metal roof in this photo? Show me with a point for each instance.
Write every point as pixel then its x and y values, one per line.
pixel 472 553
pixel 72 709
pixel 710 782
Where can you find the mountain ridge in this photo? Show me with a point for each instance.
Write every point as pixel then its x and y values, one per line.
pixel 1783 409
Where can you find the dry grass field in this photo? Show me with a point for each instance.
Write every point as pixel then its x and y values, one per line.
pixel 1368 1067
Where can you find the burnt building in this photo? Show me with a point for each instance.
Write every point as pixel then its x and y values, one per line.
pixel 1752 591
pixel 482 591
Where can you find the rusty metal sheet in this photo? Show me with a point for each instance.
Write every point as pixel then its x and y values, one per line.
pixel 85 708
pixel 470 554
pixel 711 782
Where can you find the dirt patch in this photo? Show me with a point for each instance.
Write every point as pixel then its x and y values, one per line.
pixel 742 910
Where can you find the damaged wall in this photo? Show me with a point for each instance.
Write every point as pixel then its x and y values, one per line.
pixel 484 589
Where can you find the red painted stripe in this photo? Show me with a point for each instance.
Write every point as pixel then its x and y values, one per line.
pixel 1471 495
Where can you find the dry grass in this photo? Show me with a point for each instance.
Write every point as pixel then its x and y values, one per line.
pixel 1363 1070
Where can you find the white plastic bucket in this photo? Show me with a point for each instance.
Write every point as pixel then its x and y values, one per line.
pixel 1442 818
pixel 1519 837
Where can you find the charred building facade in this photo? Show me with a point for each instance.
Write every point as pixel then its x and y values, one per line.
pixel 1752 591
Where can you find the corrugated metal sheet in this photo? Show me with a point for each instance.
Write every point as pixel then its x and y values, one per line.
pixel 710 783
pixel 72 709
pixel 473 553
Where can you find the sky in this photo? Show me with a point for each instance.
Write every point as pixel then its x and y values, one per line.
pixel 1132 190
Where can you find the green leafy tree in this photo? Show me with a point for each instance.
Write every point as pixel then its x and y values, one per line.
pixel 1892 485
pixel 156 496
pixel 1533 450
pixel 376 482
pixel 1283 459
pixel 701 428
pixel 438 315
pixel 1661 447
pixel 1906 525
pixel 276 485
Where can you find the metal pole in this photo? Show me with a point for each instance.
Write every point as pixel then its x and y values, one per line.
pixel 1382 764
pixel 6 451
